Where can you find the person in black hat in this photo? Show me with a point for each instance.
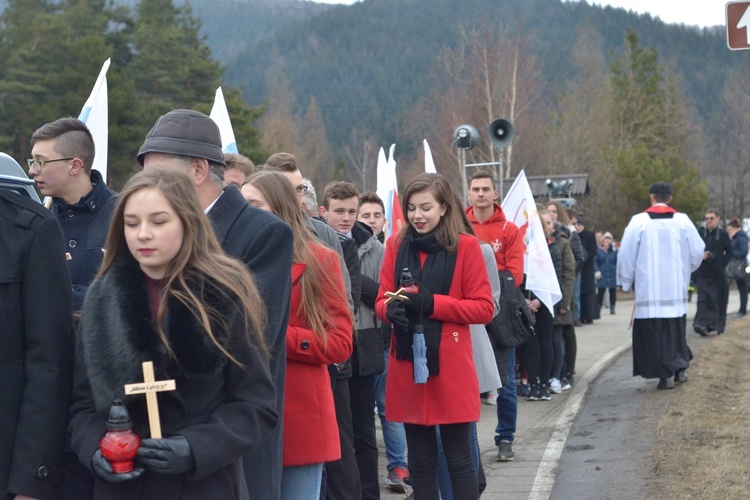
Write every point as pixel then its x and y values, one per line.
pixel 659 250
pixel 191 141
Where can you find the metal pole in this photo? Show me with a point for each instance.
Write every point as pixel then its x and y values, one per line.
pixel 502 174
pixel 463 177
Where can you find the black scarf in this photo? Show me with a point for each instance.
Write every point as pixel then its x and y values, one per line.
pixel 436 276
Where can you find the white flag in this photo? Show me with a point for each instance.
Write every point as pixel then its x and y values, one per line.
pixel 520 209
pixel 220 115
pixel 387 190
pixel 429 163
pixel 95 114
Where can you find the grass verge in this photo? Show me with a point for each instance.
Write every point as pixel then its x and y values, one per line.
pixel 703 440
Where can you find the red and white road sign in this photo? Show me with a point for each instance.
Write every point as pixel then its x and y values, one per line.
pixel 738 25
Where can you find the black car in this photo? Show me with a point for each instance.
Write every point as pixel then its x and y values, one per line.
pixel 13 177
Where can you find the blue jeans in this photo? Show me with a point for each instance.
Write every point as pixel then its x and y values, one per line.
pixel 301 482
pixel 577 298
pixel 507 404
pixel 444 477
pixel 393 432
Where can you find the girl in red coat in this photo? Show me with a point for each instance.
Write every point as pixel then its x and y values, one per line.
pixel 454 292
pixel 319 334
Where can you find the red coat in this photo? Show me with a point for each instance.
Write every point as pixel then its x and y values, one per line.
pixel 311 433
pixel 453 395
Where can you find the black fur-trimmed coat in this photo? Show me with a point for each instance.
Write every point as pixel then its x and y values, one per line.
pixel 222 409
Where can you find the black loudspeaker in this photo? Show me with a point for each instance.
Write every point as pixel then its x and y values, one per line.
pixel 466 136
pixel 500 132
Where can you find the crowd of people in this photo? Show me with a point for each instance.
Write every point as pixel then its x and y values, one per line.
pixel 285 322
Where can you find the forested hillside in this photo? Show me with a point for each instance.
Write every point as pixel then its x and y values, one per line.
pixel 622 97
pixel 381 71
pixel 367 63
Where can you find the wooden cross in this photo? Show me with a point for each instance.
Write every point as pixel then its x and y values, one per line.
pixel 150 386
pixel 397 295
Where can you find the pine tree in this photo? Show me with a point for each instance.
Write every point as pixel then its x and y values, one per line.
pixel 648 116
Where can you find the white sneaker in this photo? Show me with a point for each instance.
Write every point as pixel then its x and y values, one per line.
pixel 491 398
pixel 554 386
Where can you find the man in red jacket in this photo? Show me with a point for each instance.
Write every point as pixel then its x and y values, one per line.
pixel 491 226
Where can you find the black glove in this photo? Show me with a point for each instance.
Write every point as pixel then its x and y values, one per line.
pixel 103 469
pixel 369 289
pixel 166 456
pixel 396 314
pixel 422 303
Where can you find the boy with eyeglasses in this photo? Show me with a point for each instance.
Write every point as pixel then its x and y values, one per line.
pixel 62 153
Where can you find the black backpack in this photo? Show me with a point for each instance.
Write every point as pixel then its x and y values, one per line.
pixel 514 323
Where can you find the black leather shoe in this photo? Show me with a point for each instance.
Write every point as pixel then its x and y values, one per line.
pixel 700 330
pixel 665 383
pixel 680 377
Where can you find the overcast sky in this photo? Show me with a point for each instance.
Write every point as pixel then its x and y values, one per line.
pixel 695 12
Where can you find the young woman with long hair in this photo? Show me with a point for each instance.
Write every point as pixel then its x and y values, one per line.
pixel 454 292
pixel 166 293
pixel 538 351
pixel 319 334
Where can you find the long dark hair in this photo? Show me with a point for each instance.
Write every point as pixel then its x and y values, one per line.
pixel 316 280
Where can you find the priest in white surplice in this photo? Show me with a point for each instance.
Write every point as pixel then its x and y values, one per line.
pixel 659 250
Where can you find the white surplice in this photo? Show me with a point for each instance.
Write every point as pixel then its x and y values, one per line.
pixel 658 255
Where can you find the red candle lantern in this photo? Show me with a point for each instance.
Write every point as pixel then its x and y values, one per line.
pixel 119 444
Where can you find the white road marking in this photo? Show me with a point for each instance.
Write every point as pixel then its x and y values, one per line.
pixel 545 475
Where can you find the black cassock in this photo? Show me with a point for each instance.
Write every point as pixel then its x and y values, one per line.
pixel 659 347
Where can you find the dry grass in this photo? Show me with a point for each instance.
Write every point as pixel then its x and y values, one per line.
pixel 703 444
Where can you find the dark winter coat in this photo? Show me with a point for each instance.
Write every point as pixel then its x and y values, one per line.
pixel 578 252
pixel 606 263
pixel 84 226
pixel 588 281
pixel 719 246
pixel 739 245
pixel 567 280
pixel 36 357
pixel 349 249
pixel 265 244
pixel 222 409
pixel 368 343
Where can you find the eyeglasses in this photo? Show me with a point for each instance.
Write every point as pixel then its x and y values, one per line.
pixel 38 165
pixel 301 190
